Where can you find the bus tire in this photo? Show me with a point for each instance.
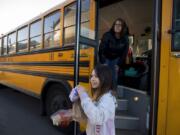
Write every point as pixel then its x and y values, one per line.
pixel 57 98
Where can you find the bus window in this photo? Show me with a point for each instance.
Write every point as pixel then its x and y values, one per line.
pixel 85 19
pixel 35 35
pixel 69 24
pixel 52 30
pixel 176 26
pixel 85 25
pixel 4 45
pixel 22 40
pixel 12 43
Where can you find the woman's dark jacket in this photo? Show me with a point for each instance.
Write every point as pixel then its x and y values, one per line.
pixel 111 48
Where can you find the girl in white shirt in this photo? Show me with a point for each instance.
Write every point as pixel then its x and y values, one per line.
pixel 100 109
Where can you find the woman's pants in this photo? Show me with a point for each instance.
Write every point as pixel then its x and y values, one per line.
pixel 113 66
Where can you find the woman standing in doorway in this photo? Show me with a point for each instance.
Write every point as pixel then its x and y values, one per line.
pixel 114 47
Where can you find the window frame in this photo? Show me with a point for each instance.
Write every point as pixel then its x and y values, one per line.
pixel 85 21
pixel 13 52
pixel 5 36
pixel 0 46
pixel 17 42
pixel 53 31
pixel 70 26
pixel 35 36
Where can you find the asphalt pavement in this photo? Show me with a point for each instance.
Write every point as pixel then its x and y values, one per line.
pixel 20 115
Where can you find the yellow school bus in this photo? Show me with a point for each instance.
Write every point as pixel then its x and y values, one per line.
pixel 50 54
pixel 38 57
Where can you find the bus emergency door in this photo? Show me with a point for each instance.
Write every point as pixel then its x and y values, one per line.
pixel 173 100
pixel 169 92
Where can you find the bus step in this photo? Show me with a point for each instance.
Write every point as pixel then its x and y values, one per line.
pixel 125 121
pixel 122 104
pixel 128 132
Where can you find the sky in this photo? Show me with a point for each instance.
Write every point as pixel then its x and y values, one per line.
pixel 16 12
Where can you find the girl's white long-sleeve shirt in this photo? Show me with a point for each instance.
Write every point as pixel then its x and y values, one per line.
pixel 101 114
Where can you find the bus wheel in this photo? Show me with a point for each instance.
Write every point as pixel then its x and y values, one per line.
pixel 56 99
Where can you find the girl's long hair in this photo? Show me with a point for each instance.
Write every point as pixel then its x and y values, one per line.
pixel 104 74
pixel 125 30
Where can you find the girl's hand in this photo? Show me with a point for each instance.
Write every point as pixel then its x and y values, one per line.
pixel 74 95
pixel 80 90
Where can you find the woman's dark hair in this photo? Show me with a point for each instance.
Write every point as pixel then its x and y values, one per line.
pixel 104 74
pixel 125 30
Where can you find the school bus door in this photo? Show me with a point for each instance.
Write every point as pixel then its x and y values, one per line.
pixel 86 37
pixel 86 40
pixel 169 92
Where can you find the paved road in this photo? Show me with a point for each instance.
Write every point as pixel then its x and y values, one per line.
pixel 20 115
